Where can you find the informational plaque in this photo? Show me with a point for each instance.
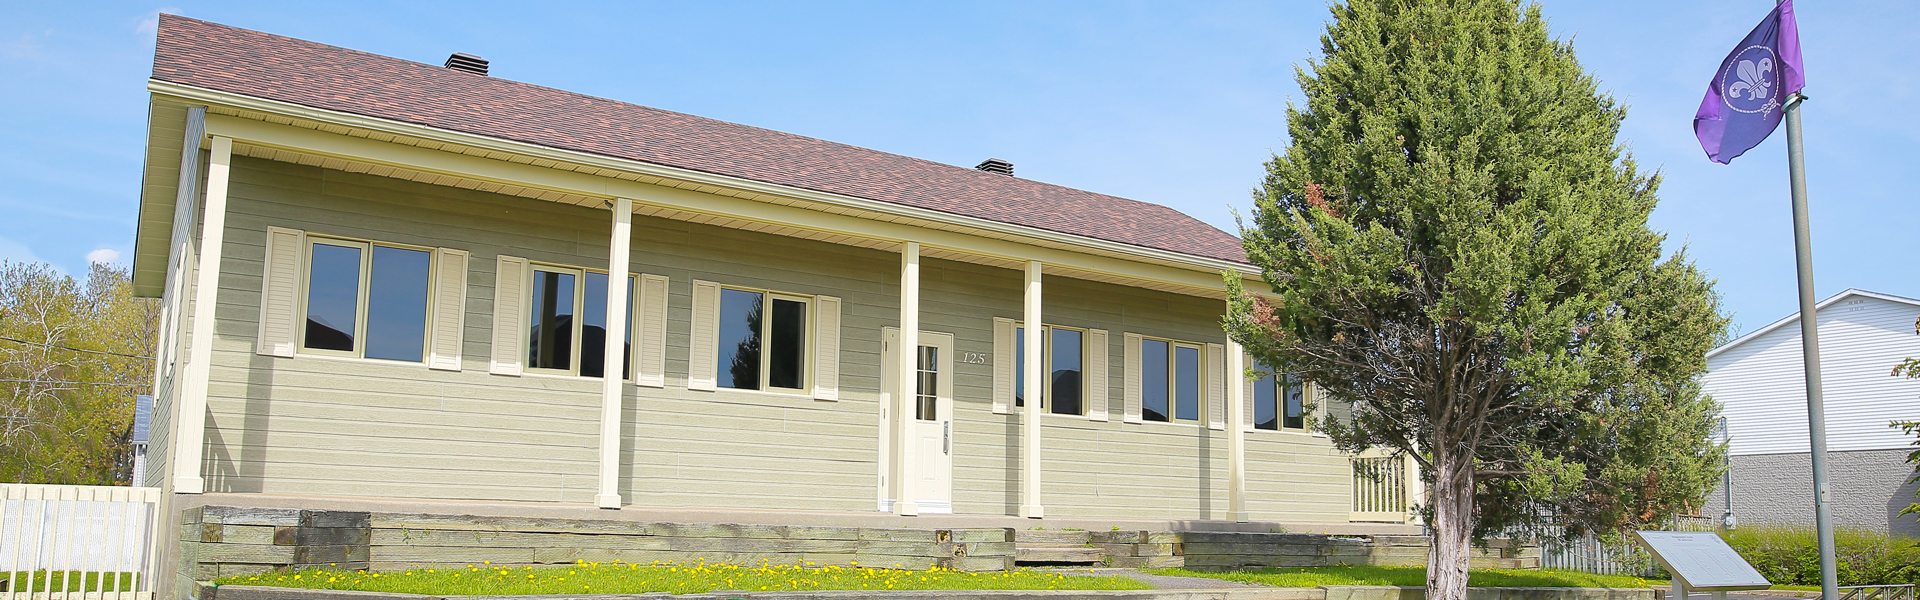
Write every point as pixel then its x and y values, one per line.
pixel 1701 561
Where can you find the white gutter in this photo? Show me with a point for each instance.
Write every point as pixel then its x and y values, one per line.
pixel 436 134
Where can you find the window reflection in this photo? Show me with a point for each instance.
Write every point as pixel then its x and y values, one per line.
pixel 593 327
pixel 1066 359
pixel 333 297
pixel 551 344
pixel 787 343
pixel 1186 379
pixel 1296 414
pixel 739 340
pixel 397 304
pixel 1154 384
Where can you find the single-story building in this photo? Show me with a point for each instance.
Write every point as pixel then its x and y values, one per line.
pixel 1758 381
pixel 387 286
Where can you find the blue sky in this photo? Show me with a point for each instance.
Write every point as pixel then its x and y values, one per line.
pixel 1176 103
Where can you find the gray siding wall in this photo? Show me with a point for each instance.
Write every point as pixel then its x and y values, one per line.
pixel 342 427
pixel 1869 488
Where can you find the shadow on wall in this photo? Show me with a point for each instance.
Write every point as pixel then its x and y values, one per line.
pixel 1012 468
pixel 1904 496
pixel 225 472
pixel 1205 478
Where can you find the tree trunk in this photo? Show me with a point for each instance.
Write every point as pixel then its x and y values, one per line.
pixel 1447 557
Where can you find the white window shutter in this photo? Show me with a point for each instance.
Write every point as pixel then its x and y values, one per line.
pixel 651 332
pixel 280 276
pixel 1003 367
pixel 826 348
pixel 702 345
pixel 449 309
pixel 1246 393
pixel 1216 369
pixel 509 315
pixel 1097 364
pixel 1131 377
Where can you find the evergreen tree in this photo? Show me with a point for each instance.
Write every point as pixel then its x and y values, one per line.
pixel 1458 250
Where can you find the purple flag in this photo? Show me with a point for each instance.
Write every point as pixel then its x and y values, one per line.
pixel 1743 102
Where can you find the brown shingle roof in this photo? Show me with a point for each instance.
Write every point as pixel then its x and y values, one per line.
pixel 228 59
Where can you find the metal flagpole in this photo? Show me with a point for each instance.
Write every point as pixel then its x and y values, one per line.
pixel 1810 349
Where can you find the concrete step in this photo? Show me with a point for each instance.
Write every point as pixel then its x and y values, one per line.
pixel 1051 537
pixel 1058 554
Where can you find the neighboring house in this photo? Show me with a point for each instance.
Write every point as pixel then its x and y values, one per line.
pixel 1757 379
pixel 385 283
pixel 142 434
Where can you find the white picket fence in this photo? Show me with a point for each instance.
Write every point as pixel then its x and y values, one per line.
pixel 72 542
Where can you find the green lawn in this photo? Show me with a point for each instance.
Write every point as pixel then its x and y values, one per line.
pixel 623 578
pixel 1415 576
pixel 64 581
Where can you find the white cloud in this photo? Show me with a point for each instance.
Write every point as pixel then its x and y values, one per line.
pixel 151 22
pixel 105 256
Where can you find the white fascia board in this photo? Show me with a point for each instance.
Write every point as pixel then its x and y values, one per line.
pixel 344 119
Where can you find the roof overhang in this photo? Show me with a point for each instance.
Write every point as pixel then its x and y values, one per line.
pixel 286 131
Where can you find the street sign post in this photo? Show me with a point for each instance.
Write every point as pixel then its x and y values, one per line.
pixel 1701 561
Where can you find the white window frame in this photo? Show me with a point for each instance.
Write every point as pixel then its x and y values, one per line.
pixel 1173 380
pixel 366 247
pixel 766 335
pixel 579 323
pixel 1046 351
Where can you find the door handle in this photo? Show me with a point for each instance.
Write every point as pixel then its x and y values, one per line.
pixel 946 437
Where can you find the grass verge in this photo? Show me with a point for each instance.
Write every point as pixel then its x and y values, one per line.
pixel 65 581
pixel 627 578
pixel 1414 576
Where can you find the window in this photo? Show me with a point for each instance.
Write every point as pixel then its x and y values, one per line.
pixel 926 398
pixel 1065 352
pixel 1169 381
pixel 762 341
pixel 366 299
pixel 568 322
pixel 1278 401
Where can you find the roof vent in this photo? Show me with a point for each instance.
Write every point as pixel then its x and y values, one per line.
pixel 995 165
pixel 461 61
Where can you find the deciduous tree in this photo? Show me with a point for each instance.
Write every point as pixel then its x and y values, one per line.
pixel 73 354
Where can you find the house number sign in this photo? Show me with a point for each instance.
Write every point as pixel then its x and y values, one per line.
pixel 975 358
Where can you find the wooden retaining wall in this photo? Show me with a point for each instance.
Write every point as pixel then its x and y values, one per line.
pixel 218 541
pixel 1209 550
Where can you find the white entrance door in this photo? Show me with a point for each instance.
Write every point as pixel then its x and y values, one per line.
pixel 930 429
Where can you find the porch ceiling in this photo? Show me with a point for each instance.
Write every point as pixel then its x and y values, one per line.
pixel 350 164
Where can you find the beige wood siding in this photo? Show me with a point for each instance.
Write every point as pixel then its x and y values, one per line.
pixel 1108 469
pixel 328 426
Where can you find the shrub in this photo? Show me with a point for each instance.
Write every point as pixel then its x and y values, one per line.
pixel 1791 555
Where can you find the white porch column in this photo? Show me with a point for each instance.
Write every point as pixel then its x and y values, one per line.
pixel 1035 389
pixel 1236 432
pixel 191 426
pixel 905 394
pixel 612 375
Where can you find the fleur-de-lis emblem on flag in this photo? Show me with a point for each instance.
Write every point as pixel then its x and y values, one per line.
pixel 1756 79
pixel 1744 101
